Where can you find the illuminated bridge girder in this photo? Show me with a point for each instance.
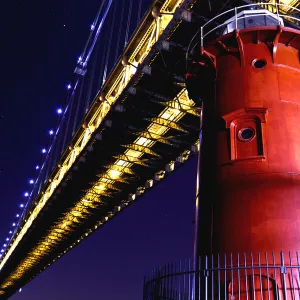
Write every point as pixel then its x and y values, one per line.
pixel 99 177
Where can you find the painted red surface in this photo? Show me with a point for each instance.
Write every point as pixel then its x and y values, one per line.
pixel 250 189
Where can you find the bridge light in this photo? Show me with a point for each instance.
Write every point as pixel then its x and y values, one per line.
pixel 31 181
pixel 22 205
pixel 14 224
pixel 4 245
pixel 10 232
pixel 17 215
pixel 2 250
pixel 25 195
pixel 20 290
pixel 92 27
pixel 7 239
pixel 59 111
pixel 44 150
pixel 69 86
pixel 51 132
pixel 37 167
pixel 114 174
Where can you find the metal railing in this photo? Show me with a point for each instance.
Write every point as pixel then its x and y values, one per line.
pixel 218 24
pixel 268 276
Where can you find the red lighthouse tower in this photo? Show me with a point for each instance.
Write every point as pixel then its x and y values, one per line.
pixel 246 73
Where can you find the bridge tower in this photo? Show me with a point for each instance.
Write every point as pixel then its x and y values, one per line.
pixel 246 74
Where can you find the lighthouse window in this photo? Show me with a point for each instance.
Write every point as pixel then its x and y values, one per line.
pixel 259 63
pixel 246 134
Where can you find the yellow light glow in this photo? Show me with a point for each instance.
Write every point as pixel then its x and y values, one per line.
pixel 100 187
pixel 94 118
pixel 114 174
pixel 142 141
pixel 86 201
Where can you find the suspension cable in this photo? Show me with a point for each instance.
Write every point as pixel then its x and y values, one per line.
pixel 98 32
pixel 128 22
pixel 100 79
pixel 109 44
pixel 75 123
pixel 68 117
pixel 92 26
pixel 120 31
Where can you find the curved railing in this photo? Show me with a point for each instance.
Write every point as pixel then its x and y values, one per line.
pixel 279 12
pixel 242 276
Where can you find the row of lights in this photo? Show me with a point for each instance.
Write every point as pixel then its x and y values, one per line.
pixel 31 181
pixel 132 197
pixel 51 132
pixel 44 151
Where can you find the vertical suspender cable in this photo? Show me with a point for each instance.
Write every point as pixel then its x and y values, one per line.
pixel 120 31
pixel 75 122
pixel 91 82
pixel 104 50
pixel 48 164
pixel 69 116
pixel 109 44
pixel 56 149
pixel 139 12
pixel 128 23
pixel 67 122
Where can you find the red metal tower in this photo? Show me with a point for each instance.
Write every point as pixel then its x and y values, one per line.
pixel 248 80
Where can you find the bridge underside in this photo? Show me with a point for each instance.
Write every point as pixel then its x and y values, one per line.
pixel 149 130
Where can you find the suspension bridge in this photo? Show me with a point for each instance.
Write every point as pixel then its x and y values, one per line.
pixel 127 122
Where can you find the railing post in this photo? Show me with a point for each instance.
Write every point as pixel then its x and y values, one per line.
pixel 235 12
pixel 212 277
pixel 283 275
pixel 277 12
pixel 206 274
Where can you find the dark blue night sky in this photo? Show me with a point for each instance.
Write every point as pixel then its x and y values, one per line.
pixel 40 43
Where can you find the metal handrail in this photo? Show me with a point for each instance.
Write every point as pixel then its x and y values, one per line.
pixel 260 5
pixel 245 276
